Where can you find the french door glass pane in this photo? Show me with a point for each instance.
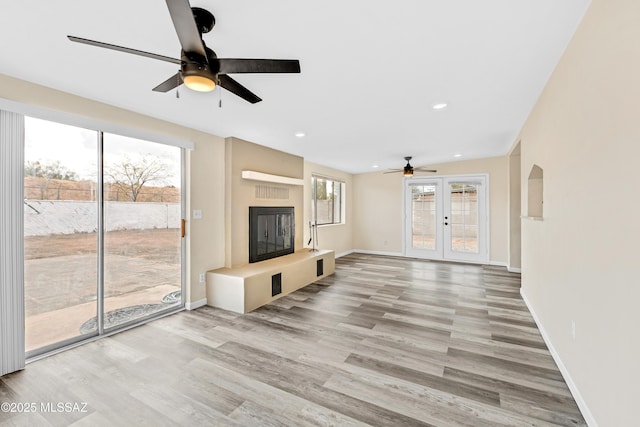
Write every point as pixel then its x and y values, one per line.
pixel 60 232
pixel 423 216
pixel 464 217
pixel 142 222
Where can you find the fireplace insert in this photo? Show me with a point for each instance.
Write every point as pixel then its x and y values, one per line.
pixel 271 232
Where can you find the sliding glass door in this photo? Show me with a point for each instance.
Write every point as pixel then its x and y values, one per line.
pixel 103 242
pixel 142 240
pixel 60 232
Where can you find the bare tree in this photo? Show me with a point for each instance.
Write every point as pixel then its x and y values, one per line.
pixel 131 176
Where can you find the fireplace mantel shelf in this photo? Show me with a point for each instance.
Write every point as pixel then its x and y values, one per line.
pixel 259 176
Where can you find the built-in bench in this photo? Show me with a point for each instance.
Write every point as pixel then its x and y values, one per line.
pixel 247 287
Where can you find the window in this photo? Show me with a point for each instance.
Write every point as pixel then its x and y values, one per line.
pixel 327 200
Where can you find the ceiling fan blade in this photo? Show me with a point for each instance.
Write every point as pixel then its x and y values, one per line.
pixel 186 28
pixel 236 65
pixel 424 170
pixel 233 86
pixel 394 171
pixel 123 49
pixel 171 83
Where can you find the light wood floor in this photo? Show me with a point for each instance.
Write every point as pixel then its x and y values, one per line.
pixel 384 341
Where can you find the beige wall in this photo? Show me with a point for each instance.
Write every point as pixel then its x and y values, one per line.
pixel 377 200
pixel 241 193
pixel 515 211
pixel 338 238
pixel 580 263
pixel 205 237
pixel 377 212
pixel 205 165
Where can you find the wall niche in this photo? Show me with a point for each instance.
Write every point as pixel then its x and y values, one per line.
pixel 535 191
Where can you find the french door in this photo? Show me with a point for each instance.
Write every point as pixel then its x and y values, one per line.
pixel 446 218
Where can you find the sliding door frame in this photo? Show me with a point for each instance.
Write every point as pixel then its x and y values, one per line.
pixel 100 332
pixel 100 200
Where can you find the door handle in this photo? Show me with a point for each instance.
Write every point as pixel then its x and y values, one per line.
pixel 446 223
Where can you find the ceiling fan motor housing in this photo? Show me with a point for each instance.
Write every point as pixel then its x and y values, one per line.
pixel 194 65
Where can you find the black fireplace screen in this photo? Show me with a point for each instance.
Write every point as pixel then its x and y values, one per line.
pixel 271 232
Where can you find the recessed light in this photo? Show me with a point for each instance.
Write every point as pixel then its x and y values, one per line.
pixel 440 106
pixel 300 134
pixel 375 166
pixel 457 155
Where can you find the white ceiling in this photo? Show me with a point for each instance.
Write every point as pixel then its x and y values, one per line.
pixel 371 70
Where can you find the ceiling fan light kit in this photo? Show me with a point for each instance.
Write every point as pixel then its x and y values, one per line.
pixel 197 80
pixel 200 68
pixel 199 83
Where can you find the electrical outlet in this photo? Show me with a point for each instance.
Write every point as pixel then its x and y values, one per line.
pixel 201 277
pixel 573 329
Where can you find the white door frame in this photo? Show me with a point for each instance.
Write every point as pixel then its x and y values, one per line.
pixel 442 185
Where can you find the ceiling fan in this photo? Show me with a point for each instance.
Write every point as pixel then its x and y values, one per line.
pixel 200 68
pixel 408 170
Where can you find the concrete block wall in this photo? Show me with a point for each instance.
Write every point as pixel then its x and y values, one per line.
pixel 45 217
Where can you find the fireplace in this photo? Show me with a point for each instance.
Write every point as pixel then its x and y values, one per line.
pixel 271 232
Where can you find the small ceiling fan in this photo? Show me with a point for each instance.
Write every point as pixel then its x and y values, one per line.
pixel 408 170
pixel 200 67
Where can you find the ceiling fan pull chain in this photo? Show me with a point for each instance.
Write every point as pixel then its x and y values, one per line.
pixel 219 95
pixel 178 85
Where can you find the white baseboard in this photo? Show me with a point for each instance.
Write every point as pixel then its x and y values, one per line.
pixel 341 254
pixel 498 264
pixel 582 405
pixel 364 251
pixel 401 254
pixel 195 304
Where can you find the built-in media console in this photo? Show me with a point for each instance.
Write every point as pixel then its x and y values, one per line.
pixel 245 288
pixel 274 269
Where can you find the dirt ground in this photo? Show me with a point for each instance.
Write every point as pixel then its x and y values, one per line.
pixel 61 270
pixel 160 245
